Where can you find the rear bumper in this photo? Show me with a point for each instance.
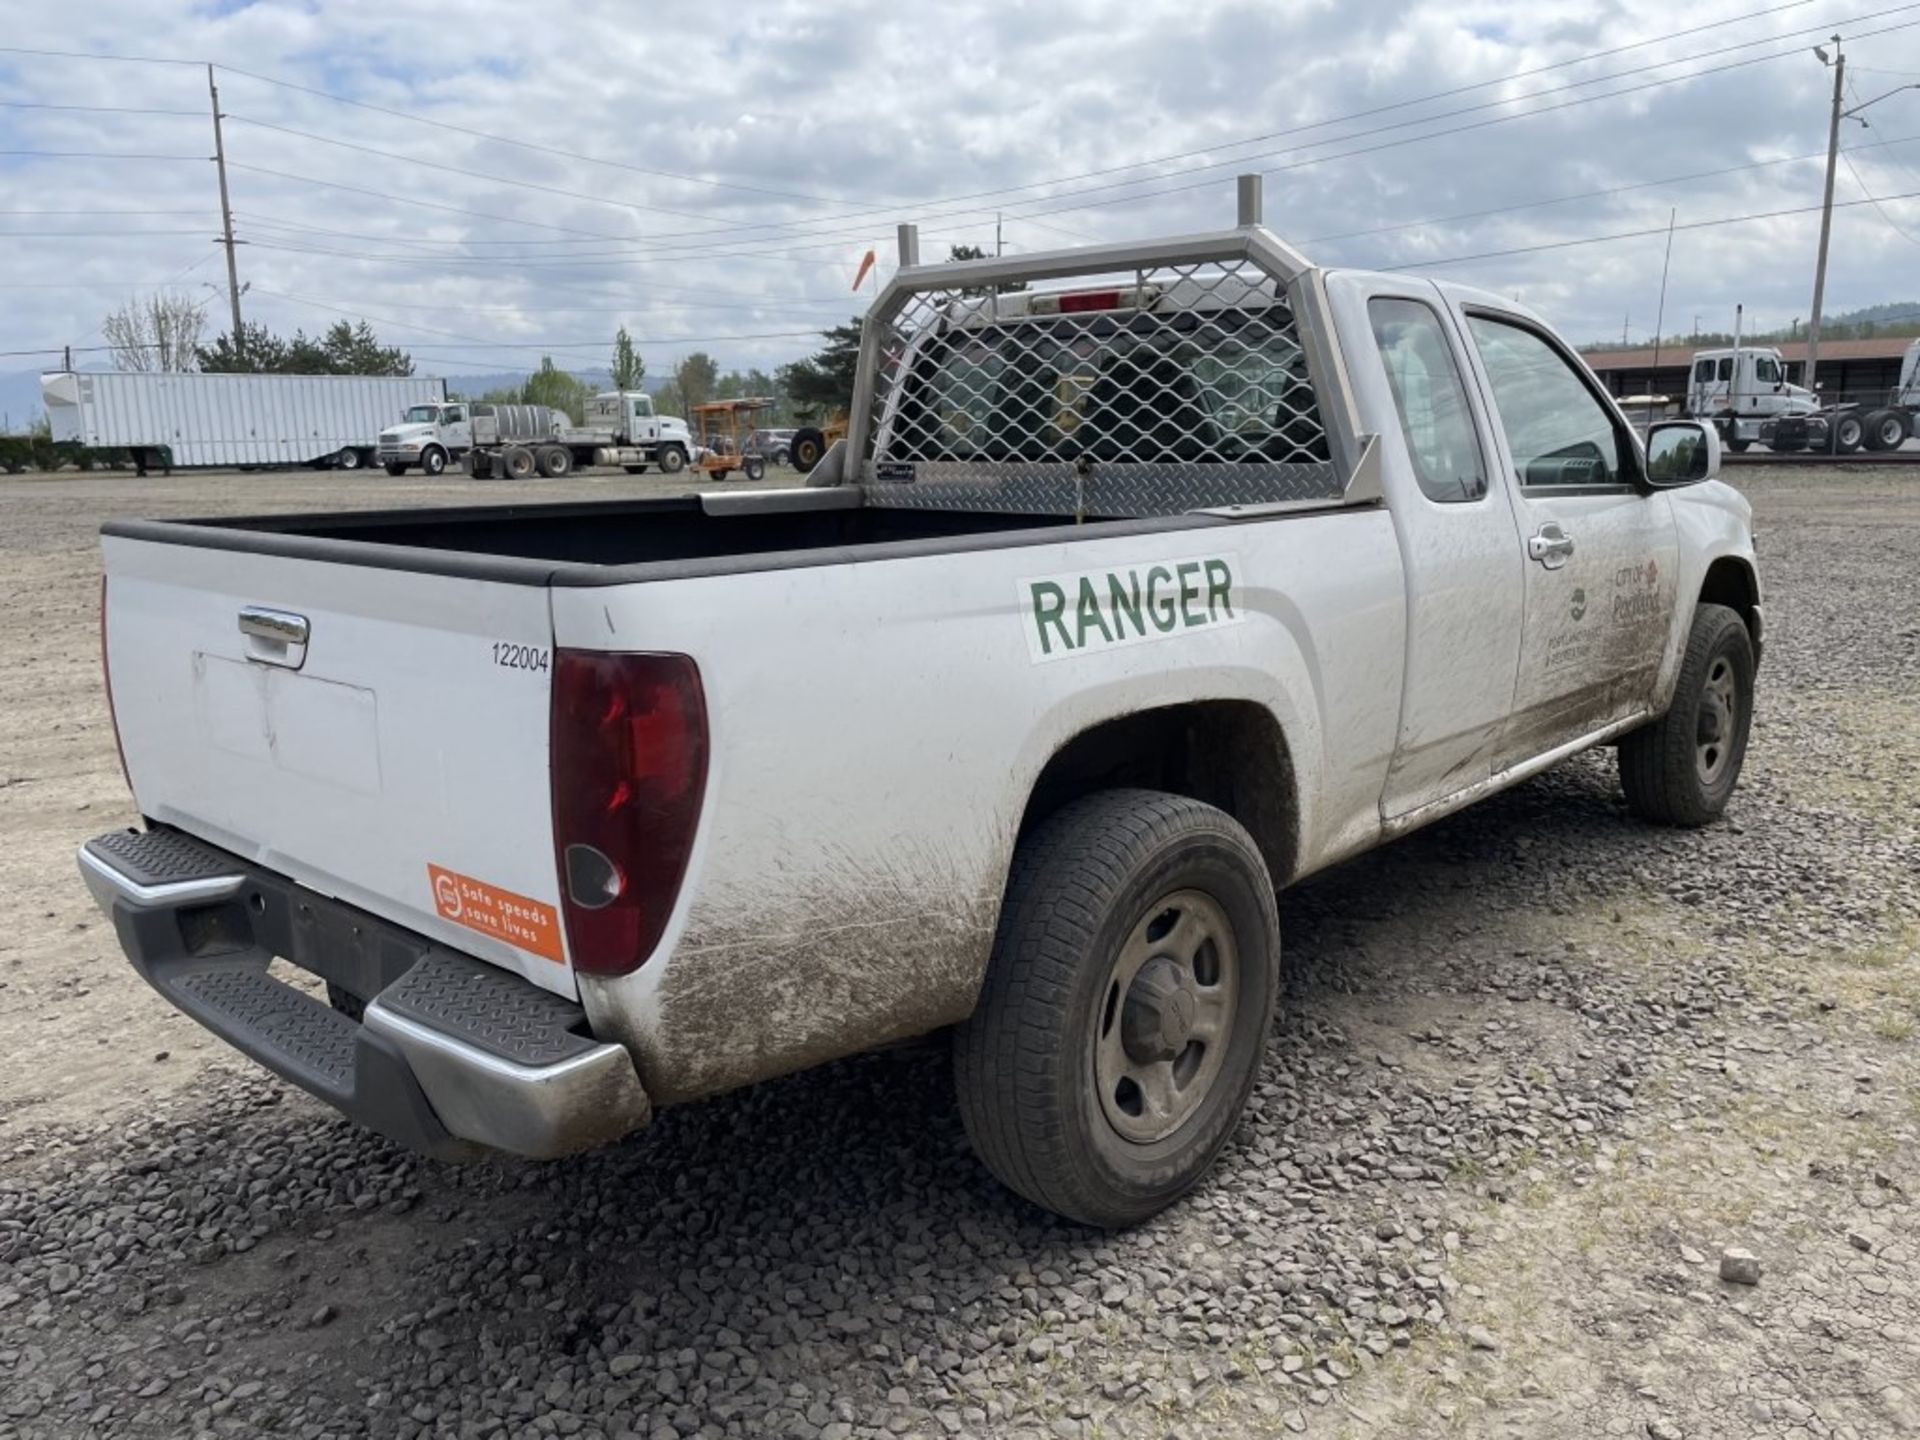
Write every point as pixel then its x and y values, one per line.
pixel 451 1054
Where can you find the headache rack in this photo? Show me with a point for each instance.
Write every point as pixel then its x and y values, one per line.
pixel 1196 373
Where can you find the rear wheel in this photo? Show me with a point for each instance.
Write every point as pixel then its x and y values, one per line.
pixel 396 470
pixel 755 469
pixel 1886 430
pixel 433 460
pixel 518 463
pixel 1126 1007
pixel 1681 769
pixel 555 461
pixel 347 459
pixel 1849 434
pixel 719 475
pixel 672 460
pixel 807 448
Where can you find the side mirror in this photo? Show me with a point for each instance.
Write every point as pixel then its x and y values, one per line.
pixel 1682 452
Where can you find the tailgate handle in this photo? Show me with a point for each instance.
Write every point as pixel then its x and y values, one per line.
pixel 275 637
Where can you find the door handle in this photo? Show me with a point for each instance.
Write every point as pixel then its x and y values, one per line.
pixel 275 637
pixel 1550 546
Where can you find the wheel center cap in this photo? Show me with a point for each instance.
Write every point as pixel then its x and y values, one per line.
pixel 1158 1019
pixel 1710 723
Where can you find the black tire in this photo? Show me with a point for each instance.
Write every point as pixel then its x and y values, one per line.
pixel 347 459
pixel 1088 887
pixel 1849 434
pixel 1886 430
pixel 780 456
pixel 555 461
pixel 396 470
pixel 433 460
pixel 517 463
pixel 719 475
pixel 754 469
pixel 634 469
pixel 1681 769
pixel 806 448
pixel 672 460
pixel 346 1002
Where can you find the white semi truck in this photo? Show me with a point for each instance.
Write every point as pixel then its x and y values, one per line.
pixel 517 442
pixel 1745 391
pixel 186 419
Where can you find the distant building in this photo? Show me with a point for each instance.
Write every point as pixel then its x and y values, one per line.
pixel 1861 368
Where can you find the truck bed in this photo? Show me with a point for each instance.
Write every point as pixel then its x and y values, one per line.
pixel 615 542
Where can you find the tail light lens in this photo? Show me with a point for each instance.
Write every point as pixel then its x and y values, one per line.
pixel 629 766
pixel 106 680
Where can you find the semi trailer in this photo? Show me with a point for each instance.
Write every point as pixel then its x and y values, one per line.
pixel 179 419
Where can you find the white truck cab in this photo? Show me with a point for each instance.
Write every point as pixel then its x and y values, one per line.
pixel 430 436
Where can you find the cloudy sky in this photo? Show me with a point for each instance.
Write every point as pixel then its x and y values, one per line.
pixel 487 181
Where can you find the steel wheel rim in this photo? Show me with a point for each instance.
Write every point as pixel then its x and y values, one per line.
pixel 1713 734
pixel 1163 1023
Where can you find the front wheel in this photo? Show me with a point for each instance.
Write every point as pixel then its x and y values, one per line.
pixel 807 447
pixel 672 460
pixel 754 469
pixel 1681 769
pixel 433 460
pixel 1126 1006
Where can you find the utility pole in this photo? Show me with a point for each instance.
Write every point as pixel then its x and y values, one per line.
pixel 1839 64
pixel 226 217
pixel 1660 316
pixel 998 249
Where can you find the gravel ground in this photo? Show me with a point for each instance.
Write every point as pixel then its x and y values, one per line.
pixel 1540 1067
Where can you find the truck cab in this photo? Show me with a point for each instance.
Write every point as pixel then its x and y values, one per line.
pixel 630 416
pixel 429 436
pixel 1743 389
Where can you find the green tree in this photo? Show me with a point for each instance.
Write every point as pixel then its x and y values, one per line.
pixel 695 378
pixel 260 352
pixel 974 252
pixel 628 368
pixel 822 385
pixel 667 399
pixel 345 349
pixel 557 390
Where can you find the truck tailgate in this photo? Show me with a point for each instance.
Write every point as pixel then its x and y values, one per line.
pixel 398 761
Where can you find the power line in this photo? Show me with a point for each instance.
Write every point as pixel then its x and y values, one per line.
pixel 1037 184
pixel 96 155
pixel 94 109
pixel 94 55
pixel 1639 234
pixel 105 212
pixel 1897 227
pixel 90 234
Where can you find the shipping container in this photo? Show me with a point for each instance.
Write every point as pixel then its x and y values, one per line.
pixel 189 420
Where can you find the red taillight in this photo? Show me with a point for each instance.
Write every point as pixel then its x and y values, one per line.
pixel 1080 301
pixel 629 770
pixel 106 679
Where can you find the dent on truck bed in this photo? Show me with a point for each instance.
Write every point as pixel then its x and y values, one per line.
pixel 831 956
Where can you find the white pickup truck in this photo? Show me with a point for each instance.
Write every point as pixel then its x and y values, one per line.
pixel 1131 598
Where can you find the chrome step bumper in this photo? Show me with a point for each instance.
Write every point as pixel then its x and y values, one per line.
pixel 450 1053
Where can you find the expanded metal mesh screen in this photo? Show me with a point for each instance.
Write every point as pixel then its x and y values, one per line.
pixel 1161 390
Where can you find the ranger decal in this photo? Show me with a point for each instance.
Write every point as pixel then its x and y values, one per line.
pixel 1067 615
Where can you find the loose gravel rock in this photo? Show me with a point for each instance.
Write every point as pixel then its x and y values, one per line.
pixel 1533 1062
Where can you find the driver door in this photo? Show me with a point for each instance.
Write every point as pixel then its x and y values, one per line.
pixel 1599 548
pixel 456 430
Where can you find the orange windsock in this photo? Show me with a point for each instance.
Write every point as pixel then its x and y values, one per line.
pixel 866 264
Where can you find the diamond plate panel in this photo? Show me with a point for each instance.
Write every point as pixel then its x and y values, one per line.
pixel 488 1007
pixel 1107 492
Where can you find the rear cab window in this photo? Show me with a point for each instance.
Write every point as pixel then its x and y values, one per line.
pixel 1219 386
pixel 1431 400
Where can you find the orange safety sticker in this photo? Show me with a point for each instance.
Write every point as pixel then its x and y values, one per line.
pixel 523 923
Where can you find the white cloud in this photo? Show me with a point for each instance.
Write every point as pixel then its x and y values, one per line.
pixel 856 115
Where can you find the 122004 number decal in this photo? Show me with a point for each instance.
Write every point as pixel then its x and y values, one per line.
pixel 519 657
